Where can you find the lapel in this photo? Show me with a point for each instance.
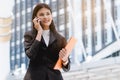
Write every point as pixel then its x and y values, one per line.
pixel 52 38
pixel 43 41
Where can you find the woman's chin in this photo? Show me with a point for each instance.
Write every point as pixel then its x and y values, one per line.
pixel 47 24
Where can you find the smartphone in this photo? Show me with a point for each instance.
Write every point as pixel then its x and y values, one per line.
pixel 40 24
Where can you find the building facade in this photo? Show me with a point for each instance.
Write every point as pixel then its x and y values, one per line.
pixel 99 21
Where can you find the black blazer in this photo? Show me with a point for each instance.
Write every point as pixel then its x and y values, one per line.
pixel 43 58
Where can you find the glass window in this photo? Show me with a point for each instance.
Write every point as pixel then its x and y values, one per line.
pixel 54 6
pixel 118 12
pixel 85 22
pixel 12 50
pixel 61 4
pixel 105 16
pixel 29 3
pixel 105 35
pixel 86 41
pixel 12 64
pixel 18 49
pixel 12 37
pixel 23 58
pixel 17 7
pixel 14 9
pixel 17 35
pixel 22 47
pixel 29 17
pixel 18 21
pixel 23 19
pixel 35 2
pixel 95 19
pixel 22 32
pixel 22 5
pixel 55 19
pixel 67 17
pixel 61 19
pixel 47 1
pixel 18 60
pixel 95 37
pixel 115 12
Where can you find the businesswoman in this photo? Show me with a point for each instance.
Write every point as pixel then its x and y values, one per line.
pixel 44 45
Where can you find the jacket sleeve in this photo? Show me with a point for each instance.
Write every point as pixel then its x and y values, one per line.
pixel 67 67
pixel 31 45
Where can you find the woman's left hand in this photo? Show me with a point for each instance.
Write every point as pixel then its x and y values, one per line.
pixel 63 55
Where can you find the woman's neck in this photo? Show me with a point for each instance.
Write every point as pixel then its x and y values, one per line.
pixel 46 28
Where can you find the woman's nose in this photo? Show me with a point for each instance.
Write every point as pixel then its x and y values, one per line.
pixel 45 16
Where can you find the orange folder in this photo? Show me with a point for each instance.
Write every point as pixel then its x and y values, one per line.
pixel 70 45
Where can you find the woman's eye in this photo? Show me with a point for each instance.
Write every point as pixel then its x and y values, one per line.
pixel 48 13
pixel 41 14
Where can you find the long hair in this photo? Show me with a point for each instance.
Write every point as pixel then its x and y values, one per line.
pixel 36 9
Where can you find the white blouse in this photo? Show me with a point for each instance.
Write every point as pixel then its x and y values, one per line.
pixel 46 35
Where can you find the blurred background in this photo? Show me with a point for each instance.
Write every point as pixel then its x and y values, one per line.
pixel 95 24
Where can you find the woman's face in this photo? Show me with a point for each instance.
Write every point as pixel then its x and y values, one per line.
pixel 45 16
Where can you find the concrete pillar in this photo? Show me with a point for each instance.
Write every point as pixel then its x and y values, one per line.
pixel 5 30
pixel 76 29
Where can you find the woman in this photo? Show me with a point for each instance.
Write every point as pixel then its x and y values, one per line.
pixel 44 45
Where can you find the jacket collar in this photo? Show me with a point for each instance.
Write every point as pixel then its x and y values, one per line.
pixel 52 38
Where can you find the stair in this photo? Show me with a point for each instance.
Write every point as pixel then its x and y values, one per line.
pixel 107 69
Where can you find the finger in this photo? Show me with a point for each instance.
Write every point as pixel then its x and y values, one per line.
pixel 39 20
pixel 61 54
pixel 35 19
pixel 64 51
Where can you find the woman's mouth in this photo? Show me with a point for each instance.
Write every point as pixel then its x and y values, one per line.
pixel 46 21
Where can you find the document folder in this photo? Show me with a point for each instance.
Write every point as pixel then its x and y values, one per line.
pixel 70 45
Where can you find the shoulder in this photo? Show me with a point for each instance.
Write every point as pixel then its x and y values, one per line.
pixel 28 35
pixel 61 39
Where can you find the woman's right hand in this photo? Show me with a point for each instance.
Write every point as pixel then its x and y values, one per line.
pixel 37 25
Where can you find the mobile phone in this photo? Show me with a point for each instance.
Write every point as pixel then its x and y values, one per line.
pixel 40 22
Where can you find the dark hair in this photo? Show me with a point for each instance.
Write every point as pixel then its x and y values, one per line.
pixel 36 9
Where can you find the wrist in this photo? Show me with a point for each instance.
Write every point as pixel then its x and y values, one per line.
pixel 65 62
pixel 39 32
pixel 38 37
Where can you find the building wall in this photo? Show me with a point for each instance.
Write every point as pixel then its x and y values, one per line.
pixel 100 20
pixel 22 12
